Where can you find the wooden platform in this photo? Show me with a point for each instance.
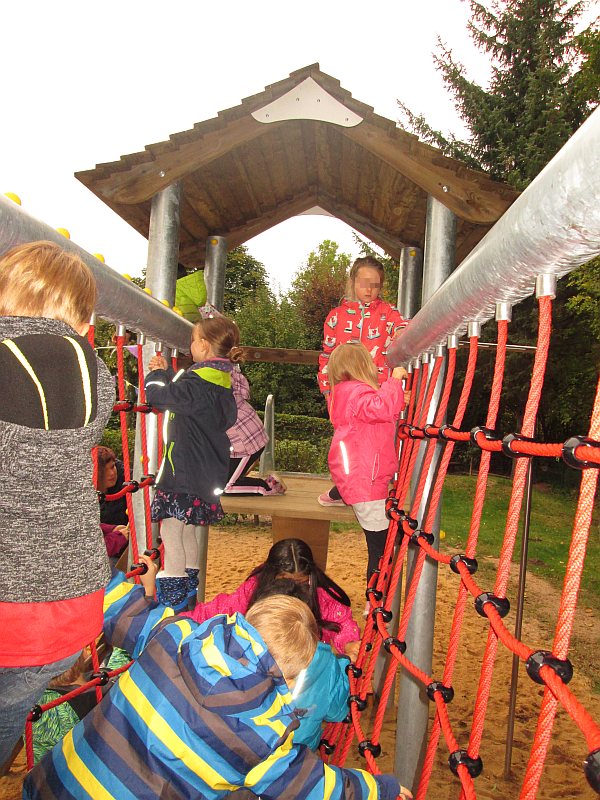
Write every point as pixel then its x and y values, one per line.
pixel 296 514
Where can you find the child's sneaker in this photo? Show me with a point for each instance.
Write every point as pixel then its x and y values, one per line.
pixel 275 484
pixel 325 500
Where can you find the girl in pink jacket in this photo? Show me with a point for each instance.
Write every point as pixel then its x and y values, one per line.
pixel 362 456
pixel 292 558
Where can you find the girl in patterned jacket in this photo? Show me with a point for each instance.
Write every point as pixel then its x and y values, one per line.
pixel 362 317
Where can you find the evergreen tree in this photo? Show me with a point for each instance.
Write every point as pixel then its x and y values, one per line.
pixel 545 81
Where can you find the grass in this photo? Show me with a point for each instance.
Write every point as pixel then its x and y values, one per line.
pixel 552 515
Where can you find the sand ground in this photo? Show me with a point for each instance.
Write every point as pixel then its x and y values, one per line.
pixel 234 550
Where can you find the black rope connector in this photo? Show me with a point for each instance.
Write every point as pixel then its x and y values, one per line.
pixel 154 553
pixel 360 703
pixel 149 477
pixel 447 692
pixel 102 676
pixel 412 523
pixel 368 647
pixel 36 712
pixel 328 748
pixel 470 563
pixel 392 641
pixel 429 434
pixel 514 437
pixel 391 508
pixel 489 433
pixel 134 485
pixel 444 429
pixel 501 604
pixel 374 593
pixel 568 452
pixel 143 408
pixel 356 671
pixel 427 537
pixel 591 768
pixel 367 746
pixel 387 615
pixel 414 432
pixel 473 765
pixel 544 658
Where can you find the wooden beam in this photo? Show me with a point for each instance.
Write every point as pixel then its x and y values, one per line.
pixel 351 217
pixel 142 181
pixel 471 195
pixel 281 355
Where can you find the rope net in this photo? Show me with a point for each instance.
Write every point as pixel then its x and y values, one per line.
pixel 425 450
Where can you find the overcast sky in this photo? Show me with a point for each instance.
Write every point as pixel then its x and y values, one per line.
pixel 86 83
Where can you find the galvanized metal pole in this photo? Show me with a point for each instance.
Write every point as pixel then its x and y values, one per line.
pixel 413 705
pixel 214 270
pixel 161 277
pixel 410 280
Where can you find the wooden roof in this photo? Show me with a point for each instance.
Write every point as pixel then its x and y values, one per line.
pixel 242 176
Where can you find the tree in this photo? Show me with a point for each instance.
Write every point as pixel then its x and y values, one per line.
pixel 318 287
pixel 545 82
pixel 244 278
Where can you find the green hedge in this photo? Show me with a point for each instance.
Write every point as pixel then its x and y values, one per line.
pixel 293 455
pixel 112 439
pixel 300 428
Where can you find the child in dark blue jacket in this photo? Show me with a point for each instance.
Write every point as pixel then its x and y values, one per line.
pixel 199 408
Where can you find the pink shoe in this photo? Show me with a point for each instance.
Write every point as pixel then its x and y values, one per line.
pixel 325 500
pixel 275 484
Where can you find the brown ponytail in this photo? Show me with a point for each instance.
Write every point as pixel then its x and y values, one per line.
pixel 223 335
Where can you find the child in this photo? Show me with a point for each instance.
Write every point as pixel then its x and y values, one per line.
pixel 361 317
pixel 293 558
pixel 362 457
pixel 204 711
pixel 56 722
pixel 110 476
pixel 199 409
pixel 248 439
pixel 321 692
pixel 55 399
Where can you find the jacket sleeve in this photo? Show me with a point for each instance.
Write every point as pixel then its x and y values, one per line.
pixel 334 611
pixel 295 771
pixel 130 618
pixel 114 540
pixel 327 347
pixel 380 406
pixel 339 690
pixel 181 394
pixel 224 603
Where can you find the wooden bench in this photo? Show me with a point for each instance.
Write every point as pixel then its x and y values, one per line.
pixel 296 514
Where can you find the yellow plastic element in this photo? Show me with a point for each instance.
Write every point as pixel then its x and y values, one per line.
pixel 442 535
pixel 166 303
pixel 64 232
pixel 214 242
pixel 177 311
pixel 14 197
pixel 127 276
pixel 100 257
pixel 148 291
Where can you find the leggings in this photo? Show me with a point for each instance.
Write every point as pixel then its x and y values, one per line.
pixel 238 483
pixel 181 547
pixel 375 547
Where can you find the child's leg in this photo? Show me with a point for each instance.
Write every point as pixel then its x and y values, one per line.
pixel 172 581
pixel 171 533
pixel 375 547
pixel 238 483
pixel 197 576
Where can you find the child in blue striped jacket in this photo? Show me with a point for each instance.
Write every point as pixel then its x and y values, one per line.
pixel 204 711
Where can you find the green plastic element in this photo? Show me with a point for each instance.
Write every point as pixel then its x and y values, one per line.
pixel 190 294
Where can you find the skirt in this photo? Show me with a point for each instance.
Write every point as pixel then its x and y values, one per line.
pixel 187 508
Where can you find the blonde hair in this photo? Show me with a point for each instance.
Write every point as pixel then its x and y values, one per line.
pixel 289 629
pixel 352 362
pixel 223 335
pixel 40 279
pixel 369 262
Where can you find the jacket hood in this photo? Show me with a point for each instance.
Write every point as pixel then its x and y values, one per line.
pixel 21 326
pixel 341 395
pixel 226 665
pixel 356 304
